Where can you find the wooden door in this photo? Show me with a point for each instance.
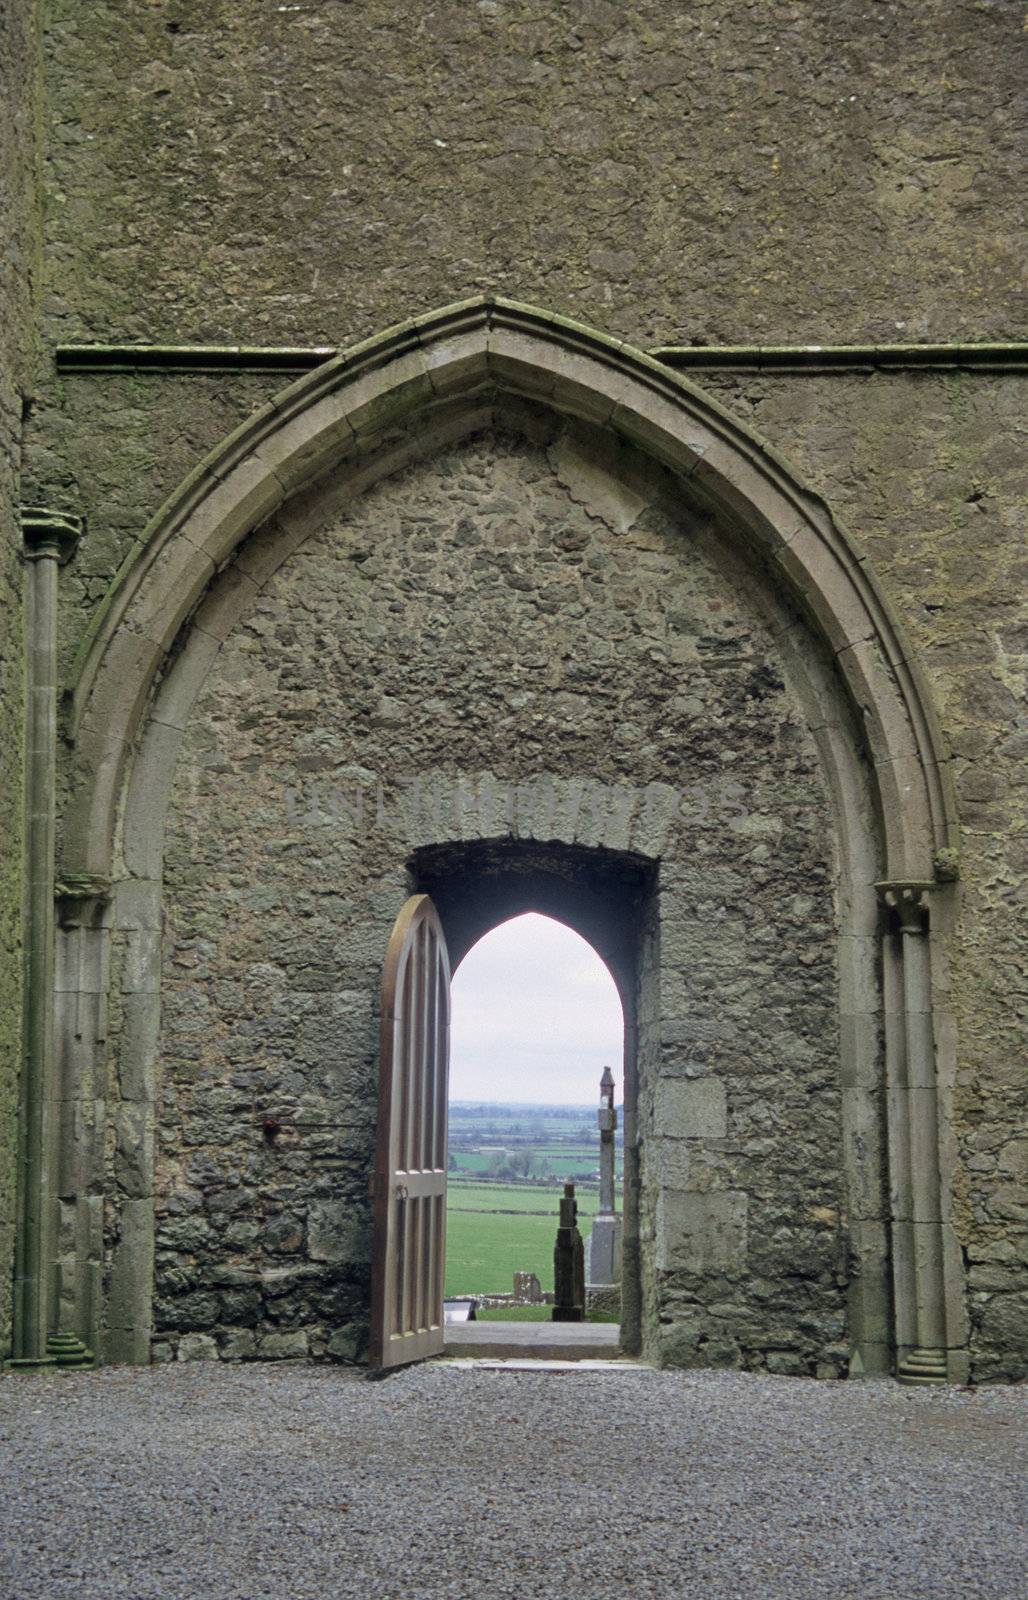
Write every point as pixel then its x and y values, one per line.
pixel 411 1151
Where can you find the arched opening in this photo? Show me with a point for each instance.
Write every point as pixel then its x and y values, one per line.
pixel 600 904
pixel 536 1024
pixel 784 623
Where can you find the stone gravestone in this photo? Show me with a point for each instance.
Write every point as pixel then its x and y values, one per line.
pixel 568 1263
pixel 528 1290
pixel 605 1239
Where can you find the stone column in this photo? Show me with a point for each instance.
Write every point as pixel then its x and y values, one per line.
pixel 50 538
pixel 605 1238
pixel 913 1123
pixel 82 945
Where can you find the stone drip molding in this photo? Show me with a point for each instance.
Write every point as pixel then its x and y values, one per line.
pixel 346 424
pixel 179 358
pixel 175 359
pixel 821 358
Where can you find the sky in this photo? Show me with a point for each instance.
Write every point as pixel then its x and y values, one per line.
pixel 535 1017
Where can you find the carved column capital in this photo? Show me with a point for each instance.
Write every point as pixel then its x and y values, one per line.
pixel 50 535
pixel 909 899
pixel 81 899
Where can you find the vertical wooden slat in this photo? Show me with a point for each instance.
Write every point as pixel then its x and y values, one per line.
pixel 424 1254
pixel 439 1231
pixel 401 1069
pixel 431 1064
pixel 431 1249
pixel 415 1053
pixel 410 1160
pixel 425 1051
pixel 410 1167
pixel 397 1323
pixel 442 1059
pixel 413 1267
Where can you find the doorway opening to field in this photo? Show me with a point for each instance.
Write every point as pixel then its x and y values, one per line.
pixel 536 1026
pixel 546 945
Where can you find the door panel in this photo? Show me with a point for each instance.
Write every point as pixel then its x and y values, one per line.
pixel 411 1150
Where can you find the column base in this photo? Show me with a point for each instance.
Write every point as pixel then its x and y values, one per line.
pixel 67 1350
pixel 922 1366
pixel 29 1363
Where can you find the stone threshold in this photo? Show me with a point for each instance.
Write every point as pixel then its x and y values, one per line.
pixel 533 1341
pixel 540 1364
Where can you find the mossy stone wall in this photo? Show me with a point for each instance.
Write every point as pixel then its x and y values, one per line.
pixel 765 171
pixel 754 173
pixel 929 472
pixel 19 281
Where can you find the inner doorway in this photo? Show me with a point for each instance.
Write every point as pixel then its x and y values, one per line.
pixel 537 1027
pixel 464 891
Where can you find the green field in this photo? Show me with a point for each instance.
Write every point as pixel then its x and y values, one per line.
pixel 563 1161
pixel 483 1251
pixel 495 1230
pixel 471 1160
pixel 516 1197
pixel 528 1314
pixel 498 1227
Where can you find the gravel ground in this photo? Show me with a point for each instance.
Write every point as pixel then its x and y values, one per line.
pixel 218 1483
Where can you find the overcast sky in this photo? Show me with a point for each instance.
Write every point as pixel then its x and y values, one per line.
pixel 536 1016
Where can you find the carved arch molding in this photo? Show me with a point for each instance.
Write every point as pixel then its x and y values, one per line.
pixel 353 420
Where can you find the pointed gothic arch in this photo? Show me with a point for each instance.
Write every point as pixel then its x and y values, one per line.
pixel 353 421
pixel 341 415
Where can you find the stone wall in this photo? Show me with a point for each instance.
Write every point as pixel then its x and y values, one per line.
pixel 721 173
pixel 116 447
pixel 488 613
pixel 767 171
pixel 929 473
pixel 19 250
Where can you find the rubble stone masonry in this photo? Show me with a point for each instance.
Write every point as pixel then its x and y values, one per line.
pixel 235 172
pixel 474 617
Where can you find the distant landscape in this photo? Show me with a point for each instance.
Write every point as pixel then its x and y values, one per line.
pixel 508 1167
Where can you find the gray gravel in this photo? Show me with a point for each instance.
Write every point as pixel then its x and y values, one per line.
pixel 219 1483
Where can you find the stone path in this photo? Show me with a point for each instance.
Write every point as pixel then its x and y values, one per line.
pixel 205 1482
pixel 554 1341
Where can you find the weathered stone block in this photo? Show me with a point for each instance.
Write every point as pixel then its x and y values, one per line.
pixel 691 1108
pixel 350 1342
pixel 701 1232
pixel 197 1347
pixel 673 1162
pixel 787 1363
pixel 337 1231
pixel 238 1344
pixel 288 1346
